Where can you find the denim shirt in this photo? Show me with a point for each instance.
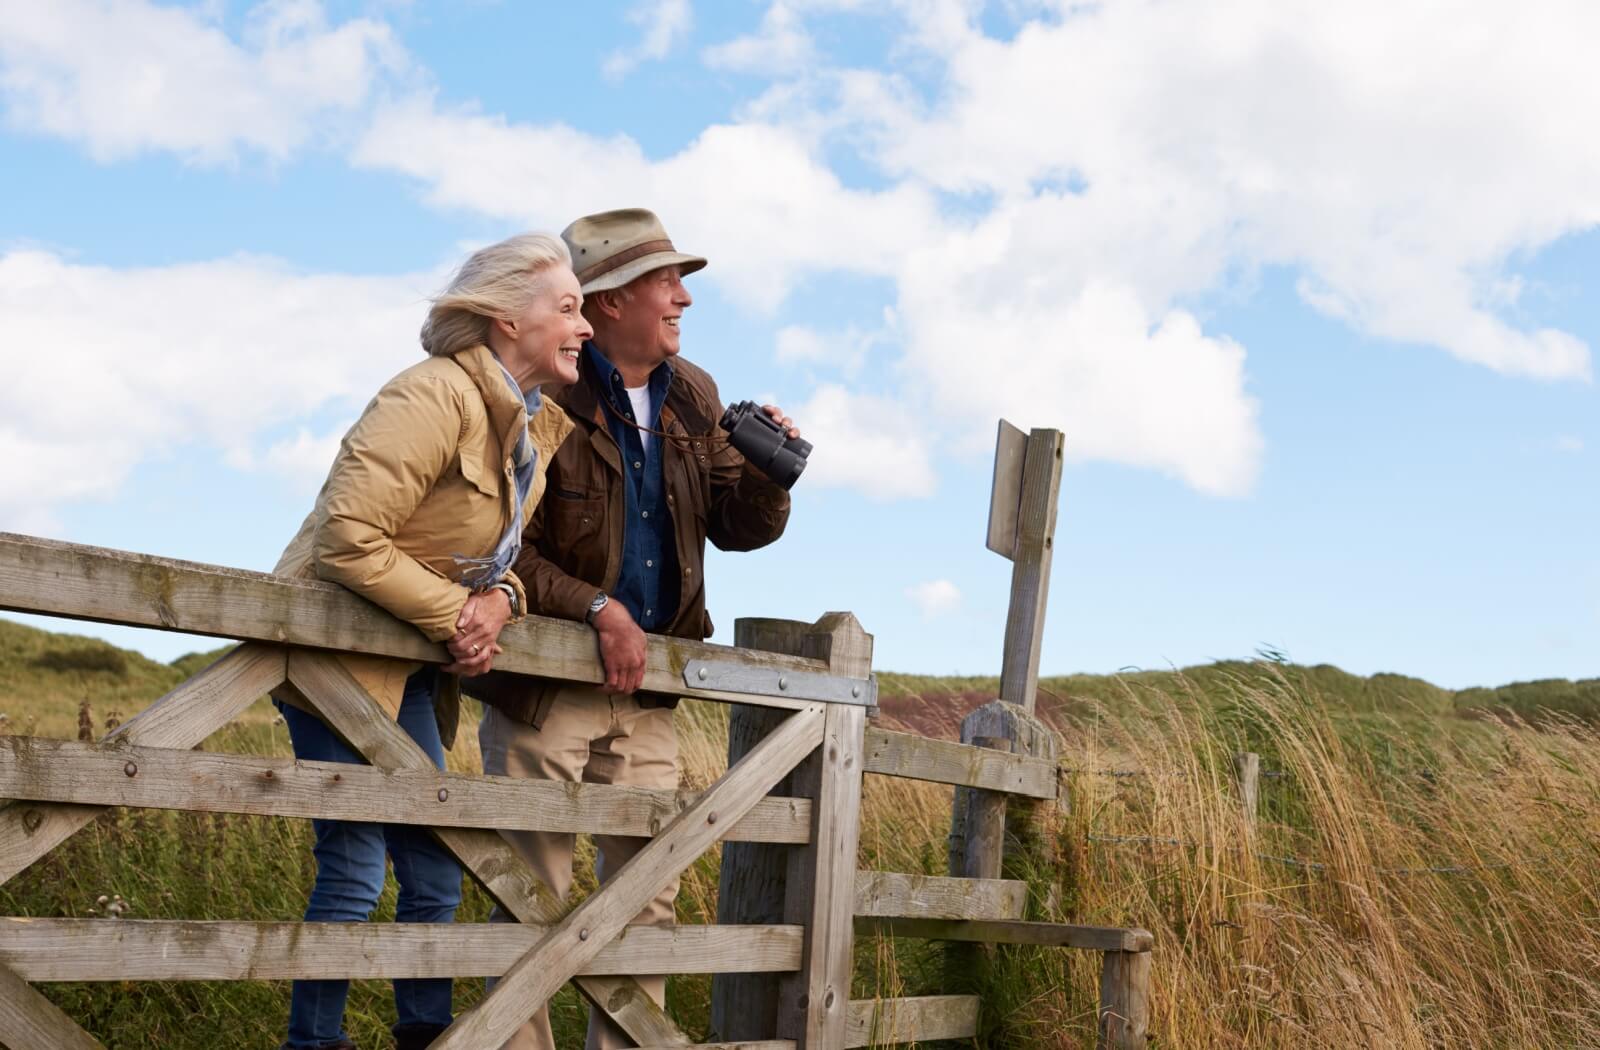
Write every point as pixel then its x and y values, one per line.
pixel 647 585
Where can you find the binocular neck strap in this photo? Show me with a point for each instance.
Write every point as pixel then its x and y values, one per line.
pixel 605 401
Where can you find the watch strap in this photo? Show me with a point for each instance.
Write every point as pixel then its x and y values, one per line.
pixel 511 596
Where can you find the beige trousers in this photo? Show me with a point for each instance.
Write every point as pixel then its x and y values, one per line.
pixel 598 738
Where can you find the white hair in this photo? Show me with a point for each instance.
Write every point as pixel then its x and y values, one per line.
pixel 495 283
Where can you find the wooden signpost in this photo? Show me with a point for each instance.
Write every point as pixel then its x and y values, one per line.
pixel 1022 528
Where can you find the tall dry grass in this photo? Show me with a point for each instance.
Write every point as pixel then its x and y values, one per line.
pixel 1411 883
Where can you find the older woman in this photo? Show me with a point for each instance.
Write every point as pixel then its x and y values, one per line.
pixel 422 513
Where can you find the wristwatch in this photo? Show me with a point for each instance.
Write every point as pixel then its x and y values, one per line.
pixel 600 601
pixel 511 597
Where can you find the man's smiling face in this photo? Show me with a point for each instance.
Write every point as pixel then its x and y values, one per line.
pixel 651 310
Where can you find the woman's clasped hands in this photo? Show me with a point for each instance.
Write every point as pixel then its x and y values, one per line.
pixel 476 641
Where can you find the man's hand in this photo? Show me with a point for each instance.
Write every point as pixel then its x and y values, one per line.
pixel 475 644
pixel 782 420
pixel 622 648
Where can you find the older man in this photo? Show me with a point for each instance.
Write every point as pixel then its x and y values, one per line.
pixel 619 543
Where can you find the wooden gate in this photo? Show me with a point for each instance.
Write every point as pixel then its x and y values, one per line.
pixel 814 702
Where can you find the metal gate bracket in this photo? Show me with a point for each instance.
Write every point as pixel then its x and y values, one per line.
pixel 801 685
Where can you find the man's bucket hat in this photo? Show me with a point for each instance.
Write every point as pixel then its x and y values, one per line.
pixel 611 248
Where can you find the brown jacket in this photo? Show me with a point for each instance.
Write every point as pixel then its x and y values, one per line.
pixel 424 475
pixel 572 547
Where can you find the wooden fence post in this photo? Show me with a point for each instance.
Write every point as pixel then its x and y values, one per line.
pixel 979 824
pixel 1124 1001
pixel 819 891
pixel 978 817
pixel 1247 770
pixel 754 885
pixel 744 1006
pixel 978 820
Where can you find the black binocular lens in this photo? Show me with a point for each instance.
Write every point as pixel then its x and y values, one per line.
pixel 760 439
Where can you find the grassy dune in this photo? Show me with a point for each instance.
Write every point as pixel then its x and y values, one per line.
pixel 1420 876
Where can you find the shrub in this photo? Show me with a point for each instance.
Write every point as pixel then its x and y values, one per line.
pixel 94 659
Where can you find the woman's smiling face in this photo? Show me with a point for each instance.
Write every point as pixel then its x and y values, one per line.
pixel 546 337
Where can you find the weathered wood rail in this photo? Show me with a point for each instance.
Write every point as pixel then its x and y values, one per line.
pixel 787 811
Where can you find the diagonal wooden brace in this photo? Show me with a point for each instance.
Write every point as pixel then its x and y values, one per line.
pixel 352 713
pixel 29 1021
pixel 593 924
pixel 183 718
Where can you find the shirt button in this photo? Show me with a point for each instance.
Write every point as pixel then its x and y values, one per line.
pixel 644 514
pixel 649 564
pixel 688 572
pixel 637 465
pixel 649 612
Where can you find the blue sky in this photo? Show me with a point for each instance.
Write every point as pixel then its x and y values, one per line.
pixel 1311 290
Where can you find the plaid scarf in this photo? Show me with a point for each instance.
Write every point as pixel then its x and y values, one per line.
pixel 482 573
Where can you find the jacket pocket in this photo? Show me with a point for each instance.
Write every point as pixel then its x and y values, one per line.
pixel 478 474
pixel 573 518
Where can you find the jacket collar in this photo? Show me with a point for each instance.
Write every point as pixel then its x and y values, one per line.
pixel 579 399
pixel 505 408
pixel 595 374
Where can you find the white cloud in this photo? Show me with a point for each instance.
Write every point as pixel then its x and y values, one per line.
pixel 125 76
pixel 1401 156
pixel 935 597
pixel 751 197
pixel 780 45
pixel 303 459
pixel 663 23
pixel 1121 385
pixel 874 445
pixel 1046 207
pixel 1569 443
pixel 842 351
pixel 107 368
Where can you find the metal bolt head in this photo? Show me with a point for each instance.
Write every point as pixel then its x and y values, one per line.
pixel 855 692
pixel 711 818
pixel 130 769
pixel 783 683
pixel 444 794
pixel 583 935
pixel 702 674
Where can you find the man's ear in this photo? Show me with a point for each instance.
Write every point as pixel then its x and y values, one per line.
pixel 608 302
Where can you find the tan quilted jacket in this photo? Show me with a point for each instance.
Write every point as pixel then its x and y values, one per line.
pixel 423 476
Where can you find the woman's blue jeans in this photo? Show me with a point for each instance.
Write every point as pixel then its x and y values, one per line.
pixel 350 869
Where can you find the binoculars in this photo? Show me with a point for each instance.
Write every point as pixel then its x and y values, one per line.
pixel 760 439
